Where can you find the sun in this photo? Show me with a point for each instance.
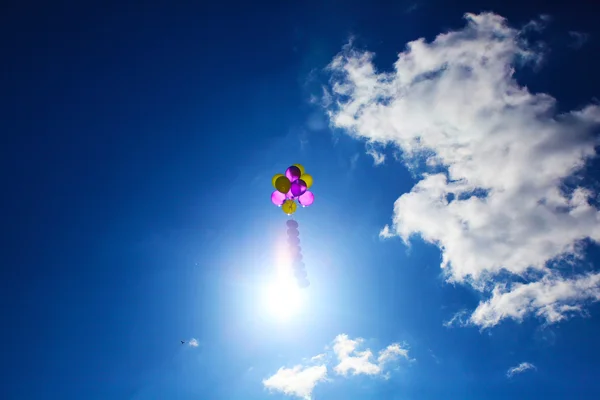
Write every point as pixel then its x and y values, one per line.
pixel 283 299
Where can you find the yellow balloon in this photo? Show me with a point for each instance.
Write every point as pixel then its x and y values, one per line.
pixel 283 184
pixel 289 207
pixel 301 168
pixel 275 177
pixel 308 179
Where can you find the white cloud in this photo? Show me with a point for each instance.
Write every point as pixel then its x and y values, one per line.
pixel 459 319
pixel 550 298
pixel 193 342
pixel 351 360
pixel 301 380
pixel 297 381
pixel 524 366
pixel 386 233
pixel 391 353
pixel 378 157
pixel 502 207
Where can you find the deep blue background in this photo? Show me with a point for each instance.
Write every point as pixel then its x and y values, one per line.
pixel 138 142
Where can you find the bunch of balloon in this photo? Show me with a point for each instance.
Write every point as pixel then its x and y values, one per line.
pixel 291 187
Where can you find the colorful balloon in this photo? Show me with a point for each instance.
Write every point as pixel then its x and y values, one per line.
pixel 306 199
pixel 298 188
pixel 289 207
pixel 277 198
pixel 301 168
pixel 283 184
pixel 274 179
pixel 308 179
pixel 292 224
pixel 293 173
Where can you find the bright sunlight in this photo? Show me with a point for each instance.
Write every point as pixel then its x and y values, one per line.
pixel 282 297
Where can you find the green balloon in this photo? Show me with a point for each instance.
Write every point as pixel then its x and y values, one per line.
pixel 283 184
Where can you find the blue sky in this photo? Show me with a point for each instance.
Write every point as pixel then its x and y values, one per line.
pixel 452 246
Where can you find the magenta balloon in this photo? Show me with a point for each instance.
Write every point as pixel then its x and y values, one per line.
pixel 306 199
pixel 298 187
pixel 289 194
pixel 293 173
pixel 278 198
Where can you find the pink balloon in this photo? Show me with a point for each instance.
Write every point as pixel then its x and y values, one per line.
pixel 289 194
pixel 278 198
pixel 306 199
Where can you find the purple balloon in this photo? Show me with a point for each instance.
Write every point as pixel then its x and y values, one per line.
pixel 293 232
pixel 306 199
pixel 293 173
pixel 291 224
pixel 278 198
pixel 298 188
pixel 289 195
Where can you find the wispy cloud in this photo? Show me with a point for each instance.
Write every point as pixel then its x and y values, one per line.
pixel 354 161
pixel 350 360
pixel 578 39
pixel 458 319
pixel 193 342
pixel 378 157
pixel 500 207
pixel 435 358
pixel 412 7
pixel 524 366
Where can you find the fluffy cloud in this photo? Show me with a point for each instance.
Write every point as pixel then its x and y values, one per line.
pixel 351 360
pixel 553 299
pixel 193 342
pixel 497 157
pixel 524 366
pixel 297 381
pixel 300 380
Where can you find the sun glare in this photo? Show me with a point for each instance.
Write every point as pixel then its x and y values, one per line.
pixel 283 298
